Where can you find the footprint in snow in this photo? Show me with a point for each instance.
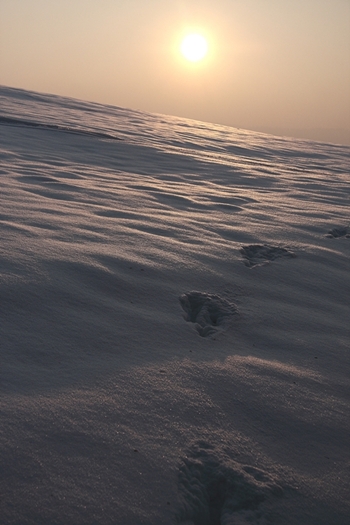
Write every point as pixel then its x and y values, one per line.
pixel 208 312
pixel 339 232
pixel 216 490
pixel 258 254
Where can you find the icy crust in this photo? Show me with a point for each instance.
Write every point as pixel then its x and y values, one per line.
pixel 174 305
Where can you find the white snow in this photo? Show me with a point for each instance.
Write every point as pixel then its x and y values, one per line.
pixel 174 320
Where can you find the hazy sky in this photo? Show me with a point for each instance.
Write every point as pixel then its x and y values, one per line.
pixel 280 66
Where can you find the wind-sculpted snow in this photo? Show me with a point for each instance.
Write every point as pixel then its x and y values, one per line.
pixel 148 375
pixel 53 127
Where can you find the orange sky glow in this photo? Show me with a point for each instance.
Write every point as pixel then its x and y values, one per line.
pixel 277 67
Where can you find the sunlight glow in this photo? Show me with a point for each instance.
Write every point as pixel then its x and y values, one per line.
pixel 194 47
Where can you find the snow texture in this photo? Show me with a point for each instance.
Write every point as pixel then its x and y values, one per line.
pixel 174 320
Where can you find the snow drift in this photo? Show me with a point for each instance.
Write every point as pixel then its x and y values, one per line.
pixel 175 321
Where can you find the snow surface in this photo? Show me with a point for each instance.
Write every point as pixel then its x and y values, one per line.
pixel 175 320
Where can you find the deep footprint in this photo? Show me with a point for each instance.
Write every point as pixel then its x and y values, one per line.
pixel 256 254
pixel 216 490
pixel 339 232
pixel 208 312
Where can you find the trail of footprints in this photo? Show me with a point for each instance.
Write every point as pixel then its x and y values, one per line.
pixel 213 488
pixel 211 313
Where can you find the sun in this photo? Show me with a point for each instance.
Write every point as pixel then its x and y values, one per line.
pixel 194 47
